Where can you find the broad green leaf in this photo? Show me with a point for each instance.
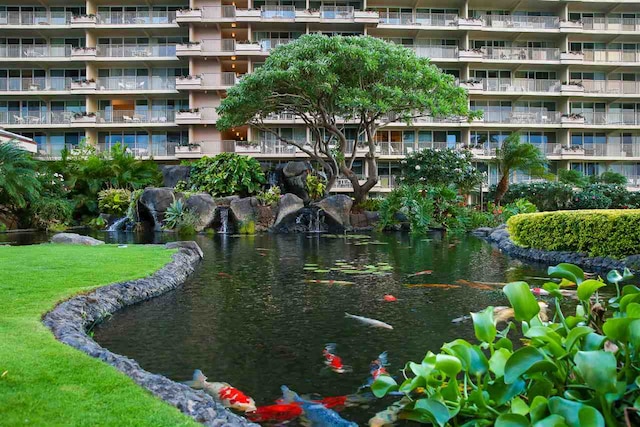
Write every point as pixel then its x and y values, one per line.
pixel 551 421
pixel 436 409
pixel 547 336
pixel 567 271
pixel 473 359
pixel 598 369
pixel 553 289
pixel 518 406
pixel 520 362
pixel 501 393
pixel 411 384
pixel 614 276
pixel 633 310
pixel 593 341
pixel 484 326
pixel 450 365
pixel 512 420
pixel 576 334
pixel 575 413
pixel 634 333
pixel 504 343
pixel 588 287
pixel 628 299
pixel 630 289
pixel 420 370
pixel 524 304
pixel 383 385
pixel 627 274
pixel 538 408
pixel 616 329
pixel 498 360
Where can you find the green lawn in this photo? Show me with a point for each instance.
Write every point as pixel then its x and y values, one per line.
pixel 48 383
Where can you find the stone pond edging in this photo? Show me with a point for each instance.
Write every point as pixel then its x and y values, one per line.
pixel 499 236
pixel 70 320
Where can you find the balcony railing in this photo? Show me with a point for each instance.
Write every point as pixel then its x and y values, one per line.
pixel 35 117
pixel 208 113
pixel 278 12
pixel 521 85
pixel 611 23
pixel 54 149
pixel 438 52
pixel 521 21
pixel 520 117
pixel 336 12
pixel 266 147
pixel 521 53
pixel 603 55
pixel 268 44
pixel 135 83
pixel 610 118
pixel 611 86
pixel 144 150
pixel 419 18
pixel 217 12
pixel 31 84
pixel 44 17
pixel 135 17
pixel 133 50
pixel 219 45
pixel 612 148
pixel 226 79
pixel 135 116
pixel 35 51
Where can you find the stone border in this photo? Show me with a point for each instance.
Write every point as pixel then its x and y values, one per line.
pixel 500 237
pixel 70 320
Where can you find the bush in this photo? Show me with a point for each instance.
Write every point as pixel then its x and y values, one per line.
pixel 609 177
pixel 227 174
pixel 180 219
pixel 114 201
pixel 315 187
pixel 269 197
pixel 547 196
pixel 3 227
pixel 519 206
pixel 613 233
pixel 372 204
pixel 591 198
pixel 619 195
pixel 572 177
pixel 49 213
pixel 441 168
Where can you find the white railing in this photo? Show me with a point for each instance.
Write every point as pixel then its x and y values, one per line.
pixel 144 150
pixel 29 84
pixel 135 83
pixel 268 44
pixel 438 52
pixel 520 116
pixel 611 23
pixel 521 21
pixel 612 148
pixel 521 53
pixel 133 50
pixel 135 17
pixel 217 12
pixel 35 51
pixel 278 12
pixel 336 12
pixel 520 85
pixel 54 149
pixel 604 55
pixel 208 113
pixel 266 147
pixel 419 18
pixel 610 118
pixel 391 148
pixel 135 116
pixel 44 17
pixel 35 117
pixel 225 79
pixel 219 45
pixel 611 86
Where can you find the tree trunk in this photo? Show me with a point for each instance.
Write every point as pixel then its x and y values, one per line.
pixel 502 188
pixel 331 180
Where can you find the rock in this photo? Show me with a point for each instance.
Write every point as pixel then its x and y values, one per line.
pixel 154 202
pixel 482 231
pixel 338 208
pixel 75 239
pixel 498 235
pixel 244 212
pixel 358 220
pixel 204 206
pixel 171 174
pixel 288 205
pixel 186 244
pixel 8 219
pixel 295 178
pixel 292 169
pixel 372 217
pixel 225 201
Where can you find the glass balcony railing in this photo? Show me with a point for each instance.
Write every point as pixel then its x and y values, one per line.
pixel 521 53
pixel 36 117
pixel 219 45
pixel 135 116
pixel 44 17
pixel 437 52
pixel 611 86
pixel 135 83
pixel 268 44
pixel 520 85
pixel 135 17
pixel 144 149
pixel 604 55
pixel 610 23
pixel 134 50
pixel 521 21
pixel 226 79
pixel 218 12
pixel 419 18
pixel 35 51
pixel 520 116
pixel 34 84
pixel 278 12
pixel 337 12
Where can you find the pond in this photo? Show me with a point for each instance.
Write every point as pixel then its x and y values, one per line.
pixel 252 316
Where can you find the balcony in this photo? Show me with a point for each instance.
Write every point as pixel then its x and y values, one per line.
pixel 39 18
pixel 610 23
pixel 267 148
pixel 136 117
pixel 144 150
pixel 520 22
pixel 35 51
pixel 215 13
pixel 135 18
pixel 278 13
pixel 603 55
pixel 515 85
pixel 611 87
pixel 419 19
pixel 436 52
pixel 613 148
pixel 135 83
pixel 37 118
pixel 135 51
pixel 522 117
pixel 219 80
pixel 35 84
pixel 521 53
pixel 342 13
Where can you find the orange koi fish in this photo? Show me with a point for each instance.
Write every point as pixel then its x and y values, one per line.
pixel 278 412
pixel 433 285
pixel 389 298
pixel 333 361
pixel 228 396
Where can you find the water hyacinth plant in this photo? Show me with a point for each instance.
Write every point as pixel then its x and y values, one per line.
pixel 576 370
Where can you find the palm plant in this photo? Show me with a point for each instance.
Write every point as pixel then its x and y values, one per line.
pixel 515 155
pixel 18 179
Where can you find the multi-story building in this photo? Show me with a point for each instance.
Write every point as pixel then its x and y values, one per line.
pixel 149 74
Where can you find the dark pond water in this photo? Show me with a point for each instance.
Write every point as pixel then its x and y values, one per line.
pixel 247 316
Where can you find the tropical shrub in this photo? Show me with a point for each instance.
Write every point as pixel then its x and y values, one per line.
pixel 180 219
pixel 547 196
pixel 591 198
pixel 315 187
pixel 227 174
pixel 19 183
pixel 269 197
pixel 572 177
pixel 609 177
pixel 618 194
pixel 49 213
pixel 371 204
pixel 181 186
pixel 575 370
pixel 613 233
pixel 519 206
pixel 440 168
pixel 132 210
pixel 114 201
pixel 3 227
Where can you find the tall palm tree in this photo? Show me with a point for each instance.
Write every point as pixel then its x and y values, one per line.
pixel 18 180
pixel 515 155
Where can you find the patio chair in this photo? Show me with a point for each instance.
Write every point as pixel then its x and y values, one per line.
pixel 127 119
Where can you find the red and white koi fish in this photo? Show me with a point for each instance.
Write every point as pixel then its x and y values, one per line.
pixel 389 298
pixel 228 396
pixel 333 361
pixel 564 292
pixel 279 412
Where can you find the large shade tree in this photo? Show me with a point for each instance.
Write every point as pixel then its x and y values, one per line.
pixel 332 83
pixel 516 155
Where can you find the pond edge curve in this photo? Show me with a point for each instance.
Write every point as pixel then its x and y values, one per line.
pixel 70 320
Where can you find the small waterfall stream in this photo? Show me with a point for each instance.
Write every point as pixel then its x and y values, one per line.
pixel 118 225
pixel 224 221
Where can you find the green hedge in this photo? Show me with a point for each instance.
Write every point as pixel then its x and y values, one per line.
pixel 614 233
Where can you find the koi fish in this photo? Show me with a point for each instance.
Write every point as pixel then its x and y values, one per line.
pixel 564 292
pixel 316 413
pixel 389 298
pixel 371 322
pixel 390 415
pixel 377 367
pixel 503 314
pixel 421 273
pixel 460 319
pixel 433 285
pixel 333 361
pixel 228 396
pixel 224 275
pixel 475 285
pixel 328 282
pixel 279 412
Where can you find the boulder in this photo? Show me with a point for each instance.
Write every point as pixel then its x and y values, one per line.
pixel 225 201
pixel 244 212
pixel 171 174
pixel 75 239
pixel 204 207
pixel 365 219
pixel 337 208
pixel 295 178
pixel 154 202
pixel 288 205
pixel 292 169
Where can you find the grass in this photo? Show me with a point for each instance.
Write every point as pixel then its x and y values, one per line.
pixel 44 382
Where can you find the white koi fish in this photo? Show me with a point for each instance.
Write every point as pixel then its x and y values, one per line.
pixel 228 396
pixel 371 322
